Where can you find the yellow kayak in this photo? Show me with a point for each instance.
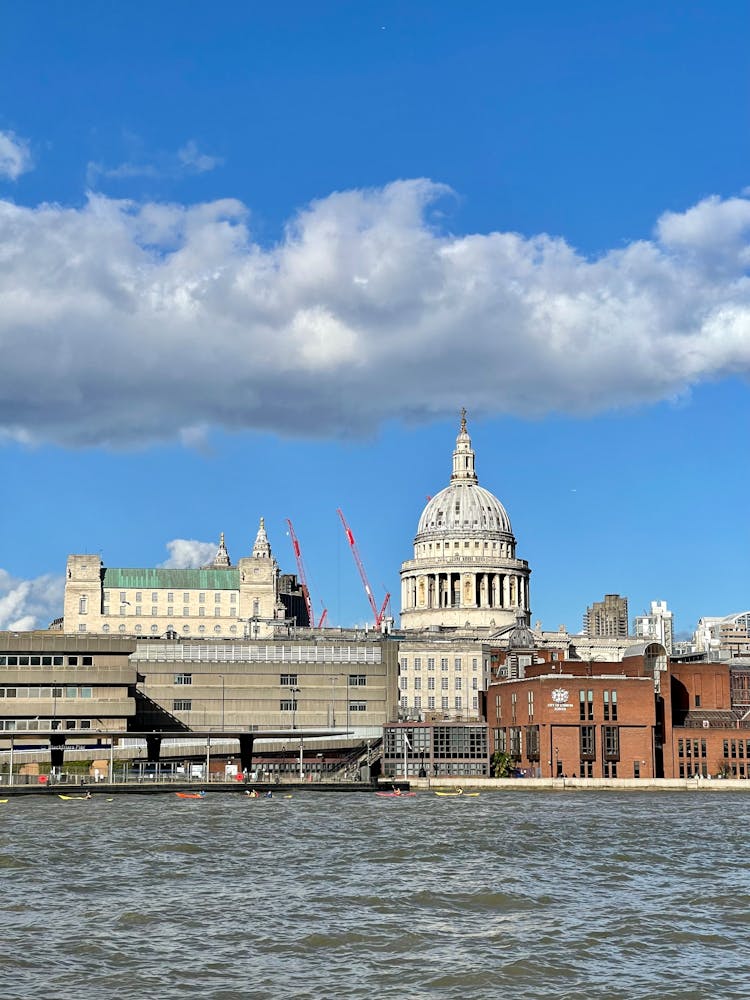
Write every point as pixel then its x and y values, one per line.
pixel 461 795
pixel 70 798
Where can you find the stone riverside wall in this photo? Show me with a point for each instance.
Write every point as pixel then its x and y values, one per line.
pixel 584 784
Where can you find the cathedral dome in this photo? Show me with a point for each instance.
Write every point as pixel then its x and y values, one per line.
pixel 464 507
pixel 464 573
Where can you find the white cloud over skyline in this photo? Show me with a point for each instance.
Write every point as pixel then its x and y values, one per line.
pixel 124 323
pixel 29 604
pixel 188 553
pixel 15 156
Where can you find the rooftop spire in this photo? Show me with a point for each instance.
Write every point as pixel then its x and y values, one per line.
pixel 262 547
pixel 463 456
pixel 221 559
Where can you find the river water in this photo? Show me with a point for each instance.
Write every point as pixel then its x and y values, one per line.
pixel 510 894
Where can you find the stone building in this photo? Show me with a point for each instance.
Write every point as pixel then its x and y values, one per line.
pixel 464 572
pixel 218 601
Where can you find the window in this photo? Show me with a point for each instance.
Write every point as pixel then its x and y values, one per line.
pixel 431 703
pixel 87 661
pixel 457 702
pixel 123 597
pixel 154 611
pixel 105 628
pixel 417 683
pixel 170 597
pixel 233 598
pixel 444 663
pixel 170 610
pixel 138 610
pixel 697 701
pixel 475 663
pixel 443 683
pixel 120 628
pixel 430 662
pixel 183 679
pixel 182 705
pixel 201 611
pixel 357 706
pixel 186 598
pixel 154 596
pixel 587 745
pixel 83 605
pixel 417 703
pixel 610 706
pixel 417 662
pixel 403 683
pixel 357 680
pixel 430 683
pixel 586 705
pixel 287 705
pixel 288 680
pixel 217 598
pixel 531 704
pixel 185 612
pixel 201 598
pixel 611 742
pixel 457 663
pixel 457 683
pixel 81 628
pixel 444 701
pixel 72 661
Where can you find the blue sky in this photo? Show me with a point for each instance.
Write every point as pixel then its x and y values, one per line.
pixel 254 259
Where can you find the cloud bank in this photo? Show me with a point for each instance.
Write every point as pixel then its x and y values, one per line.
pixel 124 323
pixel 29 604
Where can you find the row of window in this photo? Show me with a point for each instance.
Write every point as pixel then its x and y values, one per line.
pixel 458 684
pixel 42 725
pixel 187 596
pixel 14 660
pixel 187 612
pixel 444 661
pixel 517 739
pixel 45 692
pixel 458 703
pixel 156 629
pixel 698 748
pixel 291 705
pixel 354 680
pixel 586 705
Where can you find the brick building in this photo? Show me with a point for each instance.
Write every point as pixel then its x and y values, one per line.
pixel 588 719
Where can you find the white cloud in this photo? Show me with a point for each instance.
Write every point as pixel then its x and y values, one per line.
pixel 192 158
pixel 15 156
pixel 29 604
pixel 161 164
pixel 123 323
pixel 187 553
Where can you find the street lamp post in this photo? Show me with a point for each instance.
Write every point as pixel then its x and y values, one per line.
pixel 294 693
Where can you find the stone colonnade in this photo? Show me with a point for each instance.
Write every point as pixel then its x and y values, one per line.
pixel 465 590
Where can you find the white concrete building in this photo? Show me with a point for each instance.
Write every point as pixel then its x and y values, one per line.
pixel 657 625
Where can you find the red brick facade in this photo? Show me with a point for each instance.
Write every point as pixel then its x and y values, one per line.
pixel 593 719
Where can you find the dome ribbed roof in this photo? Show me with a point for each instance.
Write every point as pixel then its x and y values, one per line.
pixel 464 505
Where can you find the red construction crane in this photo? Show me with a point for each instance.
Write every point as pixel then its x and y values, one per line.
pixel 303 579
pixel 379 615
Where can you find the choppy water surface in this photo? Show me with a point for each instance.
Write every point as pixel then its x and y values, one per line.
pixel 517 894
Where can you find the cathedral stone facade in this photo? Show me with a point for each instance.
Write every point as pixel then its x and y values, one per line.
pixel 218 601
pixel 464 573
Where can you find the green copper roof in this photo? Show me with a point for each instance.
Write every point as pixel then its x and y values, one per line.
pixel 172 579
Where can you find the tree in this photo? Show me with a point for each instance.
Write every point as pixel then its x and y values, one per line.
pixel 502 764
